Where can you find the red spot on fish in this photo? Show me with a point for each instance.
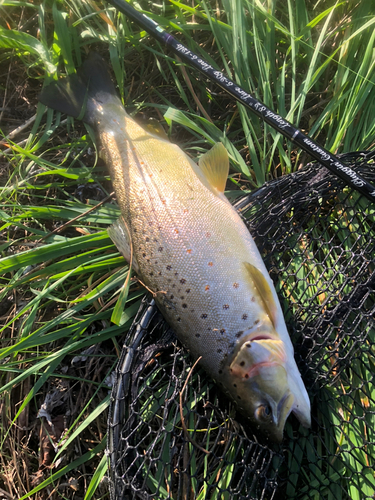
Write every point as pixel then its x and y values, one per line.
pixel 210 264
pixel 189 250
pixel 207 287
pixel 236 285
pixel 176 231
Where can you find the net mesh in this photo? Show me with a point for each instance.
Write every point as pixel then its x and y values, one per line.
pixel 168 439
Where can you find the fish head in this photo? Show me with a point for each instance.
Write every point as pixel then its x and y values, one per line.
pixel 263 380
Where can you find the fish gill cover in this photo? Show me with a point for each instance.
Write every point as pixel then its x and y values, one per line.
pixel 168 440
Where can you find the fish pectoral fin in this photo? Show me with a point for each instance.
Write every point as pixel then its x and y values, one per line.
pixel 214 166
pixel 120 235
pixel 263 291
pixel 276 348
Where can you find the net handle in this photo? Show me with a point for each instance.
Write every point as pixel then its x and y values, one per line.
pixel 337 167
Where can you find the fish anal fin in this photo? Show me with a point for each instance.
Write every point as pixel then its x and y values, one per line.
pixel 214 165
pixel 120 235
pixel 263 291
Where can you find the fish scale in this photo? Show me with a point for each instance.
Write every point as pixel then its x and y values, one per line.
pixel 191 248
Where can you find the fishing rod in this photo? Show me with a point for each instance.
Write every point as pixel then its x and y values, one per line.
pixel 337 167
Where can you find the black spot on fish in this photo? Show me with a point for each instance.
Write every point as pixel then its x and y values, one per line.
pixel 220 372
pixel 176 274
pixel 246 375
pixel 182 298
pixel 169 268
pixel 226 306
pixel 219 350
pixel 238 334
pixel 179 319
pixel 171 297
pixel 239 397
pixel 197 335
pixel 159 273
pixel 160 249
pixel 143 255
pixel 184 306
pixel 147 239
pixel 222 331
pixel 151 274
pixel 242 363
pixel 234 385
pixel 244 316
pixel 188 290
pixel 182 281
pixel 156 261
pixel 204 316
pixel 256 321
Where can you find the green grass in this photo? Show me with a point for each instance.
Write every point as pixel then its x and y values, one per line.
pixel 311 63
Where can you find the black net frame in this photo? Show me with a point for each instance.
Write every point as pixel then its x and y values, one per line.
pixel 316 237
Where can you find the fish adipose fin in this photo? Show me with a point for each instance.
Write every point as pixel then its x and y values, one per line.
pixel 119 234
pixel 263 291
pixel 215 166
pixel 152 126
pixel 81 94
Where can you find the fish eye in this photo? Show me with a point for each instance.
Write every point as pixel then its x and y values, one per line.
pixel 263 412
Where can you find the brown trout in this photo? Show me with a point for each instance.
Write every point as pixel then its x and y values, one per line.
pixel 191 248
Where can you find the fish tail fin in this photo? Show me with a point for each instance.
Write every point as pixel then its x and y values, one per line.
pixel 82 94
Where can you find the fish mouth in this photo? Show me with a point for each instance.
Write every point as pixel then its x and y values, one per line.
pixel 284 409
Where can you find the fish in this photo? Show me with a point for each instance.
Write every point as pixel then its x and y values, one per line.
pixel 190 247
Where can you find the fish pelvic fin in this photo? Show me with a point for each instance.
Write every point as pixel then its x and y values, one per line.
pixel 263 292
pixel 214 165
pixel 120 235
pixel 83 93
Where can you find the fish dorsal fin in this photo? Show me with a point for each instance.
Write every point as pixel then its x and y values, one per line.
pixel 263 291
pixel 215 166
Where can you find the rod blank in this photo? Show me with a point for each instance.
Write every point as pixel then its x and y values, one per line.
pixel 337 167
